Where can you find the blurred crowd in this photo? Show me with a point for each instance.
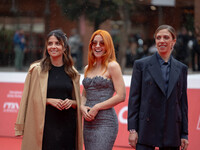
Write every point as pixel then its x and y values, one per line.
pixel 186 50
pixel 19 48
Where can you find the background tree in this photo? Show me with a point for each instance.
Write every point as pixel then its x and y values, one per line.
pixel 96 11
pixel 124 10
pixel 99 11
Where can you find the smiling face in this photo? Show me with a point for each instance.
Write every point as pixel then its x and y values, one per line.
pixel 164 42
pixel 54 47
pixel 98 47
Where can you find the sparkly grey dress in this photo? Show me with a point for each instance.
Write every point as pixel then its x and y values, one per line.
pixel 100 134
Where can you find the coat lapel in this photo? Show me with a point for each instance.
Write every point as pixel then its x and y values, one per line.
pixel 173 77
pixel 43 84
pixel 154 69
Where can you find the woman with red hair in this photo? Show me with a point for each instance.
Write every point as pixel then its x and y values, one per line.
pixel 103 78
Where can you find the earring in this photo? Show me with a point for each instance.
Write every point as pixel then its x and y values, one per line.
pixel 172 47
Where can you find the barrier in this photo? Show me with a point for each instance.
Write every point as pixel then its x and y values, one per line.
pixel 11 85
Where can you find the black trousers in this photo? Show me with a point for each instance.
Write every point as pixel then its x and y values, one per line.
pixel 146 147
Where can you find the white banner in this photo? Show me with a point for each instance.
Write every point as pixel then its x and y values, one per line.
pixel 170 3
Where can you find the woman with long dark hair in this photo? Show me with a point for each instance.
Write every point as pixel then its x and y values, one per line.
pixel 49 116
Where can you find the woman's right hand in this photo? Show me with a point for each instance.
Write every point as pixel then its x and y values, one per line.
pixel 57 103
pixel 86 115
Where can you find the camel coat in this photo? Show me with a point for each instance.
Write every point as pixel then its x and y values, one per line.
pixel 31 115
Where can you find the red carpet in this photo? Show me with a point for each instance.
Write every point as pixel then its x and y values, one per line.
pixel 11 143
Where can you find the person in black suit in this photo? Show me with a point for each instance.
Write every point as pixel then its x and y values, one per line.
pixel 158 107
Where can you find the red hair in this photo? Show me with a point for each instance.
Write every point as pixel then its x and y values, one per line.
pixel 109 50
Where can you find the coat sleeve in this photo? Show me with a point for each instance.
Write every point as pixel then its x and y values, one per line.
pixel 21 117
pixel 134 97
pixel 184 106
pixel 76 92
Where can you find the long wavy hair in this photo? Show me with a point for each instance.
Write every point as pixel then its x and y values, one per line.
pixel 67 58
pixel 109 54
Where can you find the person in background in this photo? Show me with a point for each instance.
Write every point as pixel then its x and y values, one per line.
pixel 158 106
pixel 194 49
pixel 102 77
pixel 181 48
pixel 19 46
pixel 49 117
pixel 197 34
pixel 76 48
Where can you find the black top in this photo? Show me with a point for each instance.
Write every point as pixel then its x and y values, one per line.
pixel 60 126
pixel 165 69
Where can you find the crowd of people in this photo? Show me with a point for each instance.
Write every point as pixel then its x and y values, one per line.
pixel 27 49
pixel 52 107
pixel 186 49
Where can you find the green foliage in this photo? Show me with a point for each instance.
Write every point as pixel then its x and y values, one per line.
pixel 101 12
pixel 189 23
pixel 96 11
pixel 6 40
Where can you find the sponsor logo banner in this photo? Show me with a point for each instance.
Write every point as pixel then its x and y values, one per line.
pixel 11 93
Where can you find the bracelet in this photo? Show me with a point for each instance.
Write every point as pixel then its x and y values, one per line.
pixel 132 131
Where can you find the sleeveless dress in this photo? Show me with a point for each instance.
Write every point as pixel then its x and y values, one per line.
pixel 100 134
pixel 60 126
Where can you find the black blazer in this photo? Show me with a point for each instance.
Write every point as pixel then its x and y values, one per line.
pixel 160 119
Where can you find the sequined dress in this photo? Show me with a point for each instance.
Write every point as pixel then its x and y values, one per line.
pixel 100 134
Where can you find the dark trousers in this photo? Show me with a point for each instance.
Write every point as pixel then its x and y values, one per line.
pixel 146 147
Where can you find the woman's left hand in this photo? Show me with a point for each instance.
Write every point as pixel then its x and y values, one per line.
pixel 94 111
pixel 66 104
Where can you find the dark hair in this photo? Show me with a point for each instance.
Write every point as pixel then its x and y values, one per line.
pixel 169 28
pixel 67 59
